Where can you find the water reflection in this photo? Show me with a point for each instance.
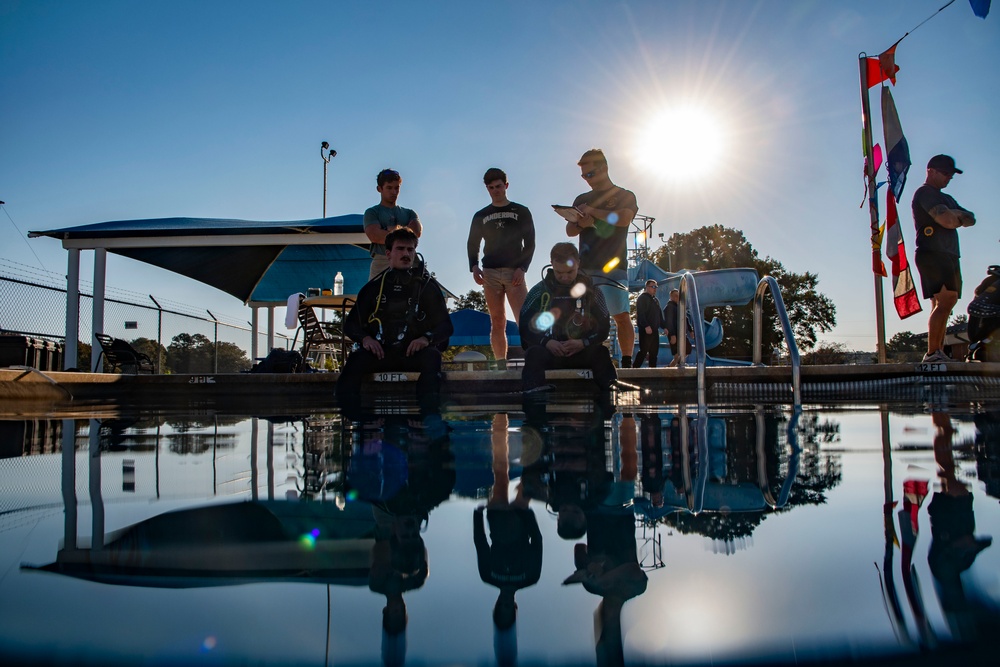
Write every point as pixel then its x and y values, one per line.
pixel 953 549
pixel 363 506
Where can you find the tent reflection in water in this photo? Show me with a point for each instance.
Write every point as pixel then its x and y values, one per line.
pixel 221 545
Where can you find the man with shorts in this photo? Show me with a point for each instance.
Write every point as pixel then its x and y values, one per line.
pixel 386 216
pixel 607 211
pixel 509 233
pixel 937 216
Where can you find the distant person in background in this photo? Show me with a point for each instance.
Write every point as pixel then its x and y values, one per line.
pixel 648 319
pixel 400 322
pixel 564 323
pixel 386 216
pixel 937 216
pixel 670 323
pixel 607 211
pixel 509 233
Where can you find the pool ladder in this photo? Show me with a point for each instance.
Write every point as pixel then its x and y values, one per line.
pixel 689 291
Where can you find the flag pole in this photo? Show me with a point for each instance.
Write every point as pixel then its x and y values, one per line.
pixel 872 204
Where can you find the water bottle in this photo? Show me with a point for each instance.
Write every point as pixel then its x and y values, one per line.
pixel 338 284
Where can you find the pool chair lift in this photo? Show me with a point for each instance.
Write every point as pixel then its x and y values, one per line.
pixel 726 287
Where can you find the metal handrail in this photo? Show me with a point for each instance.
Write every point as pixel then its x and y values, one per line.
pixel 786 326
pixel 688 284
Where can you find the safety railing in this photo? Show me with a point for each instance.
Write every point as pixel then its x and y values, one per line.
pixel 786 326
pixel 689 290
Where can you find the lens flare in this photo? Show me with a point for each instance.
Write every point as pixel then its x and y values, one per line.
pixel 610 266
pixel 307 542
pixel 612 218
pixel 578 290
pixel 543 321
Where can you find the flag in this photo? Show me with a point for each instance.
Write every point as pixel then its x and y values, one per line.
pixel 897 161
pixel 887 63
pixel 980 7
pixel 875 73
pixel 904 293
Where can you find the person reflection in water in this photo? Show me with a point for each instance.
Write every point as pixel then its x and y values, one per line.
pixel 652 459
pixel 403 467
pixel 511 559
pixel 398 565
pixel 954 546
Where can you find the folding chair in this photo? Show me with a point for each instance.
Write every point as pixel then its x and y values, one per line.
pixel 315 338
pixel 122 356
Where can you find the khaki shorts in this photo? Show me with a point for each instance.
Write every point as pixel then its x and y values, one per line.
pixel 498 280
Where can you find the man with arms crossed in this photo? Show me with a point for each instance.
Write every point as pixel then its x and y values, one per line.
pixel 648 319
pixel 385 217
pixel 607 211
pixel 937 216
pixel 509 232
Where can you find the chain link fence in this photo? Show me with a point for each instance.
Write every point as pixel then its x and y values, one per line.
pixel 33 303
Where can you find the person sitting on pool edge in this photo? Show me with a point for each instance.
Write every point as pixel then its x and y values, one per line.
pixel 564 323
pixel 400 321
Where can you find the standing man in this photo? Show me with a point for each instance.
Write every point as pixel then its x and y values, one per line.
pixel 385 217
pixel 937 216
pixel 509 232
pixel 670 323
pixel 564 323
pixel 648 319
pixel 400 321
pixel 607 211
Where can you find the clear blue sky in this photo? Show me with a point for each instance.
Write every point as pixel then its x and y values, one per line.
pixel 118 110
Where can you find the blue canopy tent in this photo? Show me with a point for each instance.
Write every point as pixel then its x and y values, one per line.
pixel 472 327
pixel 260 263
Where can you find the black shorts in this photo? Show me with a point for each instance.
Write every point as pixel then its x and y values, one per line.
pixel 937 270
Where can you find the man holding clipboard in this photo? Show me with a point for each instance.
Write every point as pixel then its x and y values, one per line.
pixel 601 219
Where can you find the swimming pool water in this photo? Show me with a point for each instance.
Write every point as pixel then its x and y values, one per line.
pixel 559 533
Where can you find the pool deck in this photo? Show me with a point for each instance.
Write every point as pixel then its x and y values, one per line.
pixel 28 391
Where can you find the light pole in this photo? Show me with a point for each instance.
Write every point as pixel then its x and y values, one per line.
pixel 670 265
pixel 330 153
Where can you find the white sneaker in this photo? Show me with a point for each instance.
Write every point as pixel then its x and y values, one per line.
pixel 937 356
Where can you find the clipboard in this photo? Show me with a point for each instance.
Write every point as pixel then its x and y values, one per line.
pixel 569 213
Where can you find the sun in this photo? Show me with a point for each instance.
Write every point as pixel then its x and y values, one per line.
pixel 681 143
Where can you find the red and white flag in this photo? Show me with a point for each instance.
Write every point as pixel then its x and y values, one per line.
pixel 904 293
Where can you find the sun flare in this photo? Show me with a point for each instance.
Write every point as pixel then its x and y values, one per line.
pixel 683 143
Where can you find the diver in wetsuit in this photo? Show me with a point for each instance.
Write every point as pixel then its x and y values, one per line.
pixel 400 321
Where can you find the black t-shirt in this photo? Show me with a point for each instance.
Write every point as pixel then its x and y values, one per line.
pixel 605 240
pixel 509 232
pixel 931 235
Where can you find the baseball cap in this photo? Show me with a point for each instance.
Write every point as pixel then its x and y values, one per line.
pixel 943 163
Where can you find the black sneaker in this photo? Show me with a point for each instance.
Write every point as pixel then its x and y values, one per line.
pixel 626 362
pixel 501 364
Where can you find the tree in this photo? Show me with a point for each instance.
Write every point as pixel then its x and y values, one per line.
pixel 717 247
pixel 190 353
pixel 473 299
pixel 905 346
pixel 232 358
pixel 156 352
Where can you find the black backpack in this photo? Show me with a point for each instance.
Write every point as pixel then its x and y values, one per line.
pixel 280 361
